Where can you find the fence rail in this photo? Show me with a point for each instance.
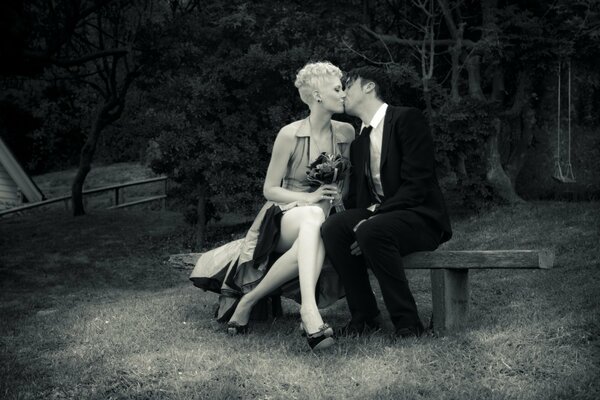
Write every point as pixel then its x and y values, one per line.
pixel 117 196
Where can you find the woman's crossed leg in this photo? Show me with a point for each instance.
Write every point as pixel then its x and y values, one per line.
pixel 303 255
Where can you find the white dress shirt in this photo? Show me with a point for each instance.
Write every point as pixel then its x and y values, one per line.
pixel 376 139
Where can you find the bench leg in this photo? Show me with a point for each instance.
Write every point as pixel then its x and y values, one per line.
pixel 276 309
pixel 450 298
pixel 272 304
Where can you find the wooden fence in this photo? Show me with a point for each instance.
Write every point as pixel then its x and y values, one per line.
pixel 117 196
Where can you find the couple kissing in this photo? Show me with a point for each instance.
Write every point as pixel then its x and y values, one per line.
pixel 336 205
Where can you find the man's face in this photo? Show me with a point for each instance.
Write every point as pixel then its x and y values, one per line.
pixel 354 96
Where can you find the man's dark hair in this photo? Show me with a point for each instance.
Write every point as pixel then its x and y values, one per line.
pixel 370 74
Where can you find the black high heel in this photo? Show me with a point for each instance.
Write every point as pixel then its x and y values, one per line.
pixel 325 328
pixel 319 340
pixel 233 328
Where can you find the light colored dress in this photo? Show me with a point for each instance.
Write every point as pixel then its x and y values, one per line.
pixel 235 268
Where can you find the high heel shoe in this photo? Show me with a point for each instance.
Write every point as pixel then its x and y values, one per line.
pixel 233 328
pixel 319 340
pixel 325 328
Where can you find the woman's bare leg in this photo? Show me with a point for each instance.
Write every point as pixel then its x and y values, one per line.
pixel 311 254
pixel 283 270
pixel 300 240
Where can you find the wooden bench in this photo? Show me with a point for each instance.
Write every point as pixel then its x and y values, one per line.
pixel 449 277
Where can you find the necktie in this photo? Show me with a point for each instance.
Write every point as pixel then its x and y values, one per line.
pixel 366 131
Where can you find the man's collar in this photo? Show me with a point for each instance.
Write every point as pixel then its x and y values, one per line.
pixel 378 117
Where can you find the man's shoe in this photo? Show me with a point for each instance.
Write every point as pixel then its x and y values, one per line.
pixel 414 331
pixel 360 328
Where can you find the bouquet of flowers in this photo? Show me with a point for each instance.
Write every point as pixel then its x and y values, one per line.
pixel 326 169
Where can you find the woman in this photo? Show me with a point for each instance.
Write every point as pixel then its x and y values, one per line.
pixel 289 224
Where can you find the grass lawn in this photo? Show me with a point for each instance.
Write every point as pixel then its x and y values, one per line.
pixel 89 310
pixel 57 184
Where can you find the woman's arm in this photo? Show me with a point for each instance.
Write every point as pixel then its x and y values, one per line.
pixel 272 190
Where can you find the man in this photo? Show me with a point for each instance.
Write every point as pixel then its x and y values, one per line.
pixel 394 206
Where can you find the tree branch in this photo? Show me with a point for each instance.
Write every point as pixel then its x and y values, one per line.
pixel 362 55
pixel 67 27
pixel 393 39
pixel 88 57
pixel 448 18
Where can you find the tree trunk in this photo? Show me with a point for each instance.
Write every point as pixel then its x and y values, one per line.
pixel 77 186
pixel 496 176
pixel 85 161
pixel 473 70
pixel 201 224
pixel 521 111
pixel 109 112
pixel 519 153
pixel 498 85
pixel 455 56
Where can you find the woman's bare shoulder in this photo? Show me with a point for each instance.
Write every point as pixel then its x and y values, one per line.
pixel 286 137
pixel 344 130
pixel 290 129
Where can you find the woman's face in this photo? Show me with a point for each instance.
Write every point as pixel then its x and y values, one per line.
pixel 332 94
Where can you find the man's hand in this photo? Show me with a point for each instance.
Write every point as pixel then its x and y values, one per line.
pixel 354 248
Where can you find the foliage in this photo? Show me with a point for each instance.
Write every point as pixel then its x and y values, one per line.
pixel 460 131
pixel 44 124
pixel 56 144
pixel 218 80
pixel 222 90
pixel 506 52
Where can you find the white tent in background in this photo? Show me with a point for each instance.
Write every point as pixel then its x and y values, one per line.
pixel 16 187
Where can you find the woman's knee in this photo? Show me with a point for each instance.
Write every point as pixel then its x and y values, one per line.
pixel 312 215
pixel 299 218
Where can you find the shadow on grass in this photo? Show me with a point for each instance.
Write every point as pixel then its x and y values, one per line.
pixel 122 249
pixel 91 311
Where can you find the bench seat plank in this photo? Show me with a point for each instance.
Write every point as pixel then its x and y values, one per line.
pixel 442 259
pixel 480 259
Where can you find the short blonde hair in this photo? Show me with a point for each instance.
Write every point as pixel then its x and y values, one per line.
pixel 312 75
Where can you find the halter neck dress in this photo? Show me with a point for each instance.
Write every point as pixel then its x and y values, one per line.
pixel 235 268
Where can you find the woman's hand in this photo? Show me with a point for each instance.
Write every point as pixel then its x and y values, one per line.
pixel 324 192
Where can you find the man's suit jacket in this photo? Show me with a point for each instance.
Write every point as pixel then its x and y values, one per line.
pixel 407 166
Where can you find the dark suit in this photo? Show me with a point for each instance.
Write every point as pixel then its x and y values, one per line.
pixel 412 217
